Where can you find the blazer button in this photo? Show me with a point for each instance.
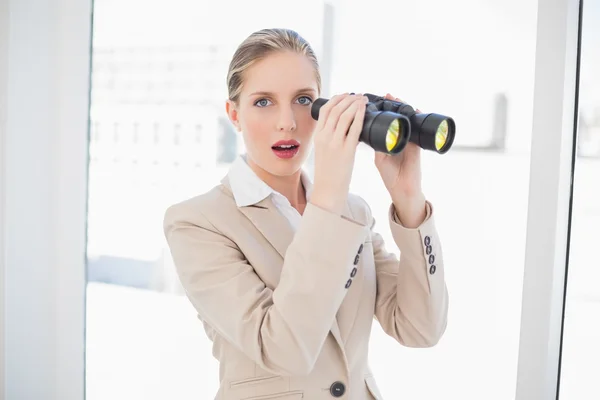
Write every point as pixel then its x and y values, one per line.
pixel 353 273
pixel 432 269
pixel 427 240
pixel 428 250
pixel 348 283
pixel 360 249
pixel 431 259
pixel 337 389
pixel 356 259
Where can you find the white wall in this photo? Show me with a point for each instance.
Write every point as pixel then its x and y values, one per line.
pixel 3 101
pixel 44 85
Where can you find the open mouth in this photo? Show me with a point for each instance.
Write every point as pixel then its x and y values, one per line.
pixel 286 149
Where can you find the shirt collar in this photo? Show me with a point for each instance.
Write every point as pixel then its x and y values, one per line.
pixel 248 189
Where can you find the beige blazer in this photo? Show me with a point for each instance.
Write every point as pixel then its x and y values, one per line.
pixel 290 315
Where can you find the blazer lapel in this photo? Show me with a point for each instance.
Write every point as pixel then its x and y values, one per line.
pixel 268 220
pixel 271 224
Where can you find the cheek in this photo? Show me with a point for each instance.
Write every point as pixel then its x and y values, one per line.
pixel 256 130
pixel 307 123
pixel 256 125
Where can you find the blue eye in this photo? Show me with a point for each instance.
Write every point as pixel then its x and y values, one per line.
pixel 262 102
pixel 307 101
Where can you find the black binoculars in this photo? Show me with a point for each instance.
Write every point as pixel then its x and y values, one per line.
pixel 389 125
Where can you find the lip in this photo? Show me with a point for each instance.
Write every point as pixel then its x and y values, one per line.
pixel 286 153
pixel 290 142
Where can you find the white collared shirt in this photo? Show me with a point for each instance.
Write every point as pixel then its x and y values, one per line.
pixel 249 189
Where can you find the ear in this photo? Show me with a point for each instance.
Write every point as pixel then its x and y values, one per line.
pixel 232 113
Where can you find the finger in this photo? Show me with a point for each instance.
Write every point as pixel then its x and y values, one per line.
pixel 357 125
pixel 390 97
pixel 337 111
pixel 326 108
pixel 346 118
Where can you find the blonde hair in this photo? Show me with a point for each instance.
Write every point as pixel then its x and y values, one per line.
pixel 259 45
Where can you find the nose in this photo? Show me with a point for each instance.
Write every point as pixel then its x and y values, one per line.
pixel 286 121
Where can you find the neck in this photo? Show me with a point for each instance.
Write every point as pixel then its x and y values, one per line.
pixel 289 186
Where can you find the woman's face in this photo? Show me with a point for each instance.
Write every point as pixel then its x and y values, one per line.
pixel 273 112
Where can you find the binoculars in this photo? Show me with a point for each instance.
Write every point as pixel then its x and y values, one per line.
pixel 389 126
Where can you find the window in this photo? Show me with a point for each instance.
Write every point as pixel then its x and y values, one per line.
pixel 161 135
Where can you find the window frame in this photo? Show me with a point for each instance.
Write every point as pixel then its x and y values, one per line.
pixel 550 197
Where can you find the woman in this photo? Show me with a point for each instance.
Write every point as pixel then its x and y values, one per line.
pixel 287 275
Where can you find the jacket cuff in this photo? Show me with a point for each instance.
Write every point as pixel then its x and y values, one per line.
pixel 420 242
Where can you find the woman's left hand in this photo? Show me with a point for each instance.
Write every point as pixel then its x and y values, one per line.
pixel 401 174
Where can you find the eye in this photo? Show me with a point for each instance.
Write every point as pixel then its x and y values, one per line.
pixel 262 102
pixel 304 100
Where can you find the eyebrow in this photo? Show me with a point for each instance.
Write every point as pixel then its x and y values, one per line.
pixel 303 90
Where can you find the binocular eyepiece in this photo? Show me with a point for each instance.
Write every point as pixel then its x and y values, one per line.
pixel 389 125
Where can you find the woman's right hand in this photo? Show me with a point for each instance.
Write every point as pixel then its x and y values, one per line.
pixel 336 138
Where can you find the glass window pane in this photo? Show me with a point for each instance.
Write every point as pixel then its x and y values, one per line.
pixel 580 348
pixel 160 135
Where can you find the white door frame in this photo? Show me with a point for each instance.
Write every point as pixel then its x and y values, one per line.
pixel 44 70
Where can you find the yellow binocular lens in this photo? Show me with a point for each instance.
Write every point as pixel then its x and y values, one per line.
pixel 441 135
pixel 394 133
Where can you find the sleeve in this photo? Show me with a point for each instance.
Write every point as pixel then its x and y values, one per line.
pixel 412 296
pixel 282 330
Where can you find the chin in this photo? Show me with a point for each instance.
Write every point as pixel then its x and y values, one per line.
pixel 285 167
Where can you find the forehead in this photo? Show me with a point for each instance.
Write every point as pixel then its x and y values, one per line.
pixel 280 73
